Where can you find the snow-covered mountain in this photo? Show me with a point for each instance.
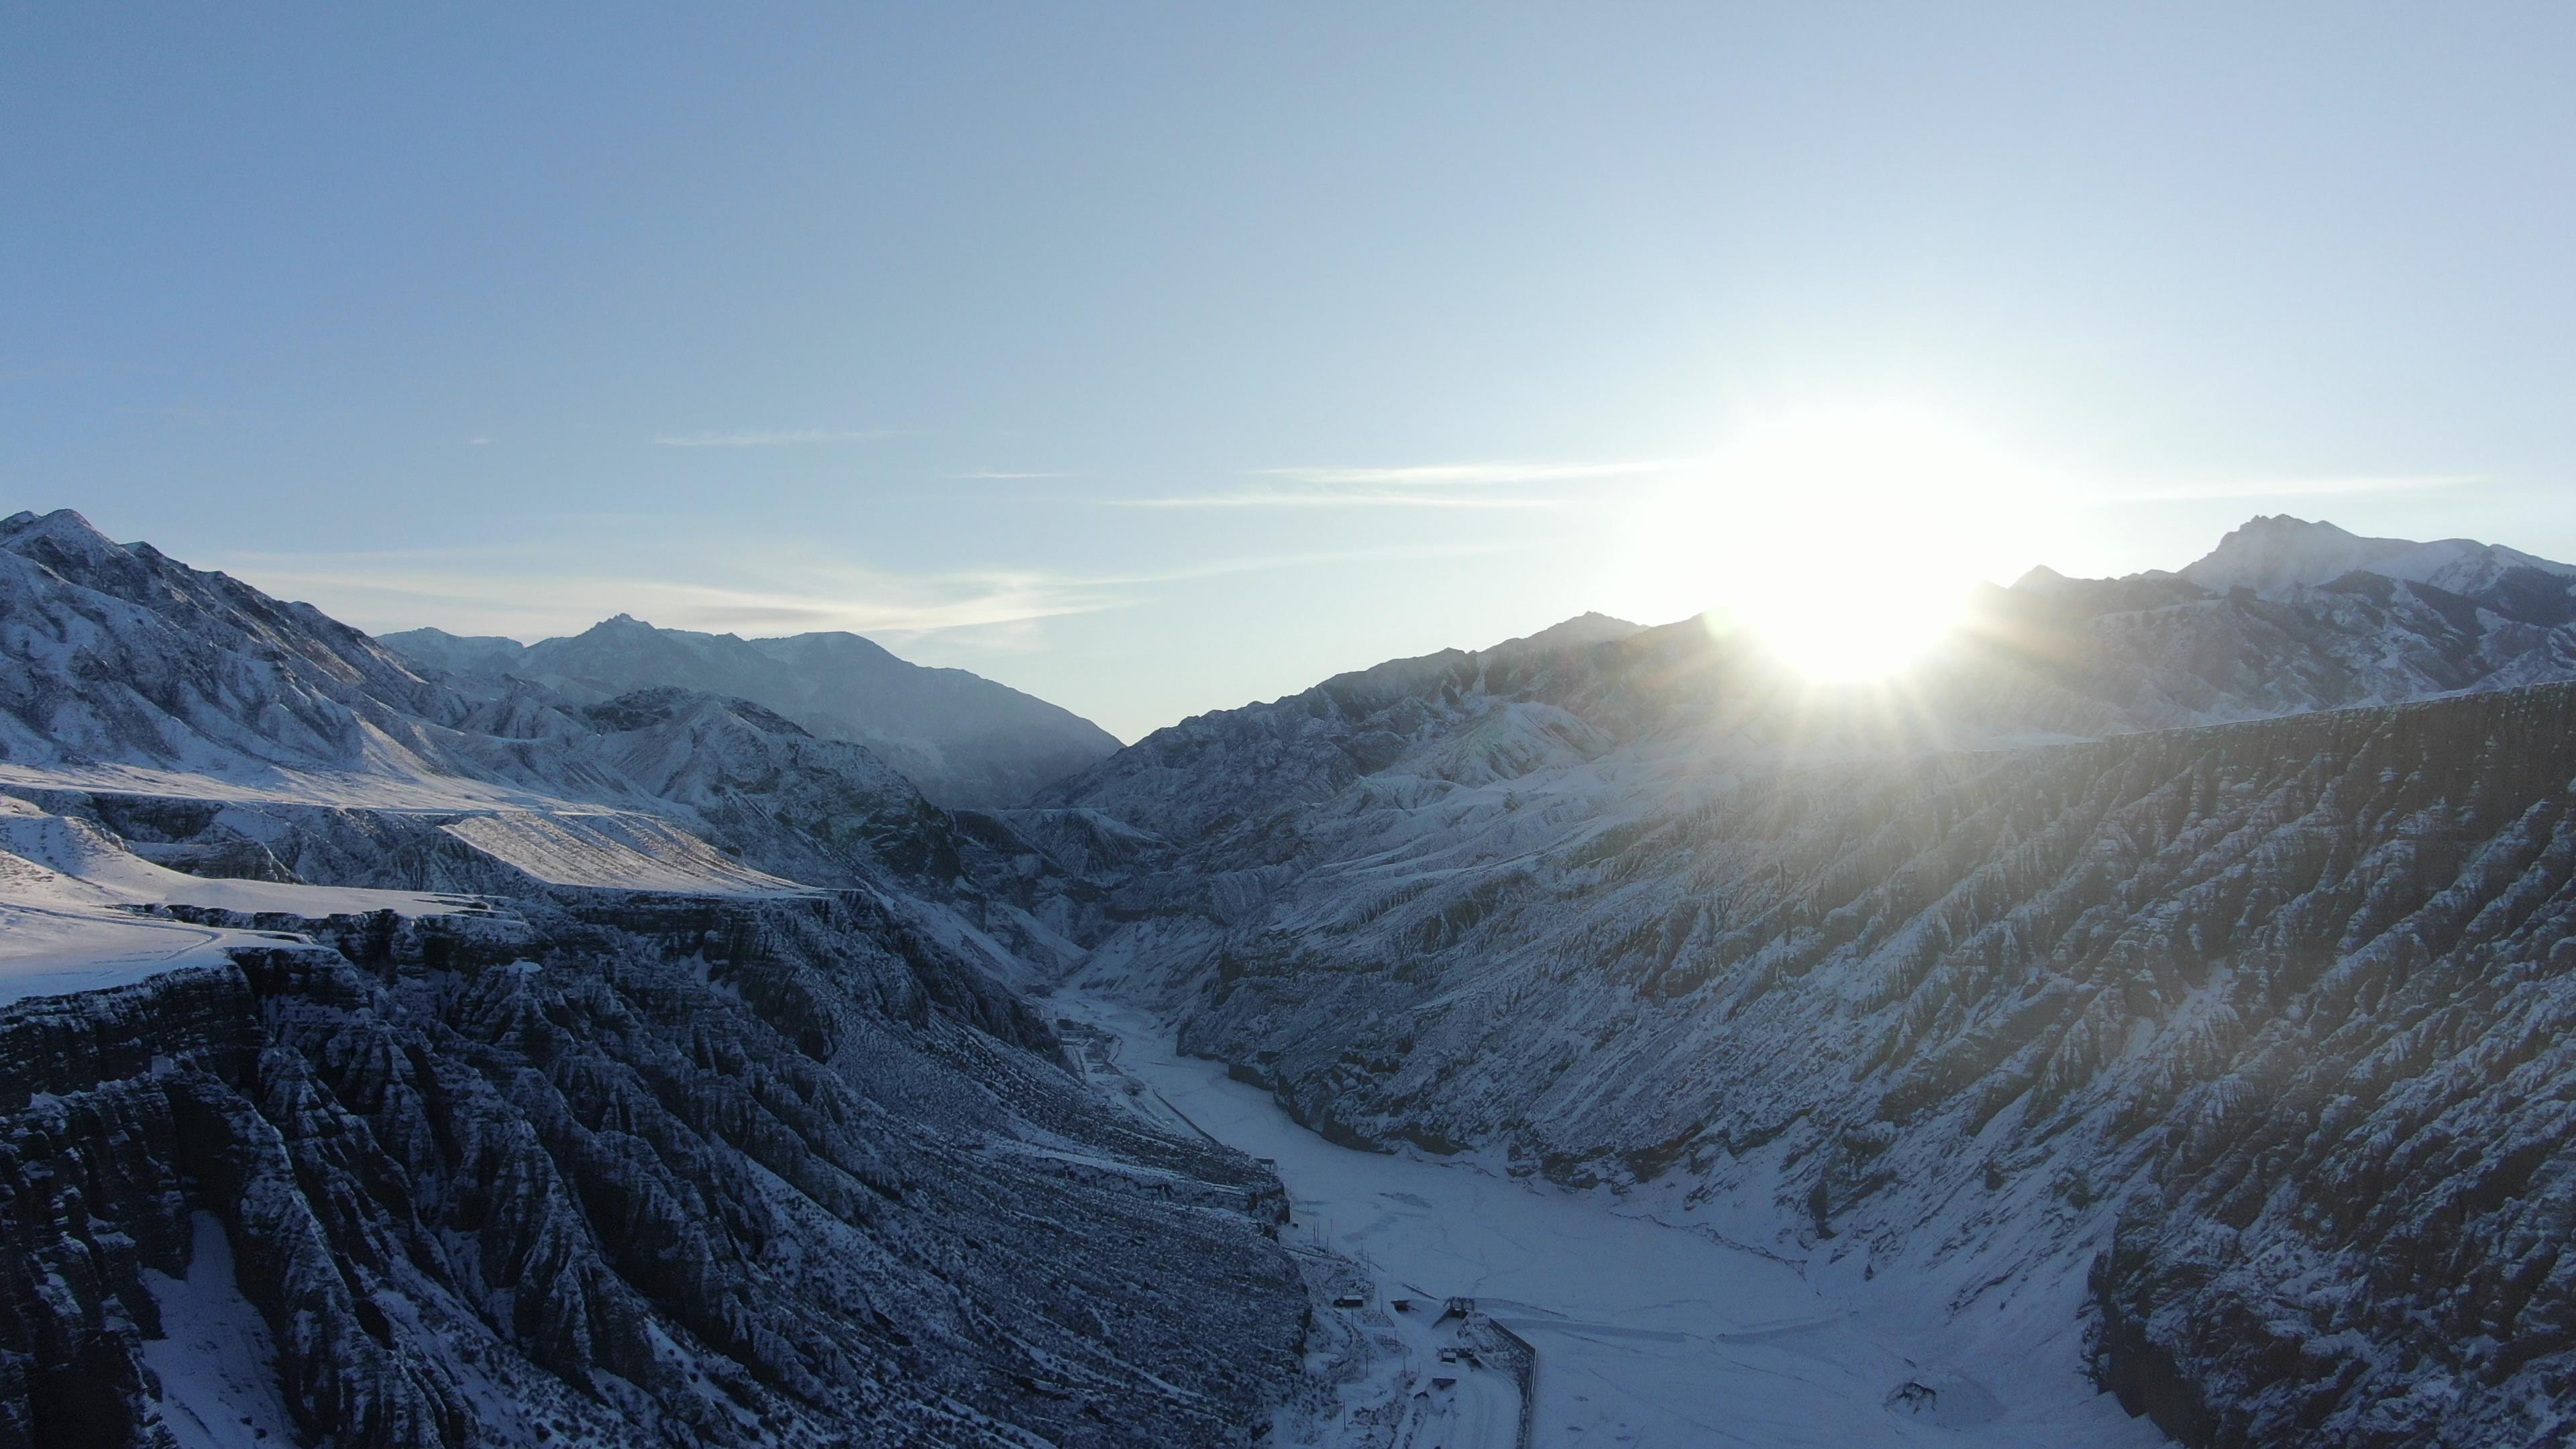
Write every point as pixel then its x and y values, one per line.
pixel 2167 982
pixel 2220 1063
pixel 2280 551
pixel 964 740
pixel 402 1061
pixel 2088 657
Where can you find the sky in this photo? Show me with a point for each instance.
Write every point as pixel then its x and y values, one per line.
pixel 1156 359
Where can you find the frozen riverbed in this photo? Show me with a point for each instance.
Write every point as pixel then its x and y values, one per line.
pixel 1647 1334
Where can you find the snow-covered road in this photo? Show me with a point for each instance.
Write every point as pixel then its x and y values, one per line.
pixel 1647 1334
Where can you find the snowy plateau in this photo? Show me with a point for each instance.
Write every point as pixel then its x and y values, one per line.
pixel 2146 1020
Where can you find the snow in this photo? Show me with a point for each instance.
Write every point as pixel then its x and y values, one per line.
pixel 2280 551
pixel 55 953
pixel 1648 1333
pixel 66 920
pixel 217 1366
pixel 613 850
pixel 266 785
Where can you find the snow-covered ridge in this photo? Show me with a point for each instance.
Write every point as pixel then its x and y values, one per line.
pixel 965 741
pixel 393 1062
pixel 2280 551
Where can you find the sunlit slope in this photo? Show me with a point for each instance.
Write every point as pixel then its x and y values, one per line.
pixel 2287 1000
pixel 126 676
pixel 2221 1062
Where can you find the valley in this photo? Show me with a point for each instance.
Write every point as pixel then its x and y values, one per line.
pixel 2150 1022
pixel 1652 1326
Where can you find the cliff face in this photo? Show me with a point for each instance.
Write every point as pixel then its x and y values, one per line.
pixel 642 1170
pixel 2251 1038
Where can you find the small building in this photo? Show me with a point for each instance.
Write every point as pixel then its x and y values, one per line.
pixel 1445 1381
pixel 1448 1354
pixel 1350 1300
pixel 1403 1305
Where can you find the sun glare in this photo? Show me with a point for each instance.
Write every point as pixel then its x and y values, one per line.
pixel 1846 541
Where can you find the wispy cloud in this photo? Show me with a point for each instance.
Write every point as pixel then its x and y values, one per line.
pixel 997 475
pixel 1489 484
pixel 2317 486
pixel 1338 498
pixel 767 437
pixel 478 442
pixel 487 596
pixel 1452 475
pixel 501 590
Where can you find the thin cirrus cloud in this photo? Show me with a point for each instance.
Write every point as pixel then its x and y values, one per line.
pixel 2319 486
pixel 489 590
pixel 1001 475
pixel 1491 485
pixel 1294 498
pixel 1452 475
pixel 477 596
pixel 766 437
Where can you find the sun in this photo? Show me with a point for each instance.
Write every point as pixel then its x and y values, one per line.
pixel 1845 540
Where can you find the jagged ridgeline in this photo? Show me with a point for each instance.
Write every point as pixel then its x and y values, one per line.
pixel 709 1117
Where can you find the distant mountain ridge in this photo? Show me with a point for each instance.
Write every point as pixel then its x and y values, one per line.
pixel 964 740
pixel 2281 551
pixel 122 669
pixel 2051 659
pixel 2284 615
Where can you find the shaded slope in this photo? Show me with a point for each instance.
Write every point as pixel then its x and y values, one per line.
pixel 2283 1001
pixel 651 1171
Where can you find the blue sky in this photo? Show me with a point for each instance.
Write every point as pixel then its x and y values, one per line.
pixel 1155 359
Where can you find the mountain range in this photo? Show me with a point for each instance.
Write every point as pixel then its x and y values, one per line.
pixel 2166 982
pixel 963 740
pixel 405 1061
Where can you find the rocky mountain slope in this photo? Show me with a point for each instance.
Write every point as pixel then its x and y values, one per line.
pixel 965 741
pixel 2166 982
pixel 2224 1057
pixel 395 1060
pixel 625 1170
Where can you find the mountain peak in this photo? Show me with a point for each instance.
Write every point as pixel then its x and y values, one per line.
pixel 2268 551
pixel 1589 627
pixel 64 542
pixel 63 527
pixel 2279 551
